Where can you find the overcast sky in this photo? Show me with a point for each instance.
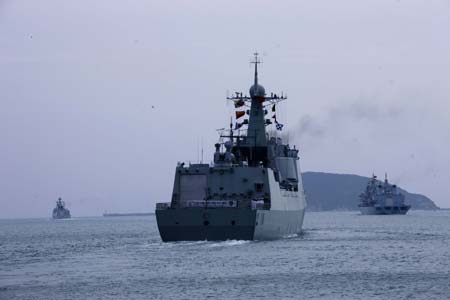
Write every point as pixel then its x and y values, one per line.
pixel 100 99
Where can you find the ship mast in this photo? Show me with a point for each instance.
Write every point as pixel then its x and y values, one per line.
pixel 254 144
pixel 256 124
pixel 256 62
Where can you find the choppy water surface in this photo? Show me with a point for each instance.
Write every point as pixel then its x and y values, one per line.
pixel 341 255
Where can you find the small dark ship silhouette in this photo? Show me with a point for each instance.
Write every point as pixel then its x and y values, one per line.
pixel 382 199
pixel 60 212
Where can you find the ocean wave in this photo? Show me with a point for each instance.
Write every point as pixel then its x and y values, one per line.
pixel 229 243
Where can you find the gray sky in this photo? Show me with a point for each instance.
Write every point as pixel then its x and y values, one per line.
pixel 368 86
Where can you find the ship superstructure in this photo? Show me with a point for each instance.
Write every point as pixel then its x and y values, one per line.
pixel 60 211
pixel 382 199
pixel 252 190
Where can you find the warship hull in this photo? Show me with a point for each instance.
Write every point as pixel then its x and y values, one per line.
pixel 58 217
pixel 227 224
pixel 388 210
pixel 60 212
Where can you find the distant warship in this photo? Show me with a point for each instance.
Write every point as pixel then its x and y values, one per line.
pixel 382 199
pixel 60 212
pixel 252 191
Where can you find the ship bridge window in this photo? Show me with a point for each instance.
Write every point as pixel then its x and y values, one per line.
pixel 259 187
pixel 192 187
pixel 287 168
pixel 277 176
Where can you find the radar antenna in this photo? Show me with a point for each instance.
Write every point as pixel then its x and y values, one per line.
pixel 256 61
pixel 240 100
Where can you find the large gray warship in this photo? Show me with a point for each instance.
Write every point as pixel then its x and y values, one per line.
pixel 60 211
pixel 382 199
pixel 252 191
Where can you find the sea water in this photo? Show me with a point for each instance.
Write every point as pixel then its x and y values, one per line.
pixel 340 255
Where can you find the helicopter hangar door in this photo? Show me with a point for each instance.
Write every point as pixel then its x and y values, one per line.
pixel 192 187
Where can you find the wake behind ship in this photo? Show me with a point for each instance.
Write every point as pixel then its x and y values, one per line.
pixel 252 191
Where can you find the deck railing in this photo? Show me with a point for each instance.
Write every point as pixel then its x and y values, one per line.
pixel 214 204
pixel 209 204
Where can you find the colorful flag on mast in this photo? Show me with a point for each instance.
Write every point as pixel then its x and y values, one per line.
pixel 279 126
pixel 239 103
pixel 239 114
